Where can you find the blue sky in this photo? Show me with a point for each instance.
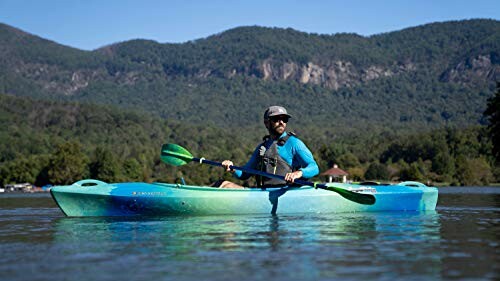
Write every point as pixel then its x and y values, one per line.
pixel 90 24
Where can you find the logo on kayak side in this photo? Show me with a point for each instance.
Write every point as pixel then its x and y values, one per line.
pixel 152 194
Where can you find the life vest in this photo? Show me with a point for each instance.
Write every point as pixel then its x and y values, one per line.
pixel 271 162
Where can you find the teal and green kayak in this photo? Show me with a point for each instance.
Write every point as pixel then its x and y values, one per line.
pixel 97 198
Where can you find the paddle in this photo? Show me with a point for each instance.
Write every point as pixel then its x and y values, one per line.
pixel 177 155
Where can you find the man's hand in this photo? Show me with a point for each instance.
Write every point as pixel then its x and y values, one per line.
pixel 226 164
pixel 290 177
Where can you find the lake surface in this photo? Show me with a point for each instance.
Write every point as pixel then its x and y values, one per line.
pixel 460 240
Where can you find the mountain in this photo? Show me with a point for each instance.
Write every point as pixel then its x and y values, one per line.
pixel 424 77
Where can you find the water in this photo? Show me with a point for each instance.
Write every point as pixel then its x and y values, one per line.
pixel 460 240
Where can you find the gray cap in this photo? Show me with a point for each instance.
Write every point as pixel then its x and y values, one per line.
pixel 275 110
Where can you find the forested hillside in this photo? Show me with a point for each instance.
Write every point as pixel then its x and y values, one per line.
pixel 52 142
pixel 417 78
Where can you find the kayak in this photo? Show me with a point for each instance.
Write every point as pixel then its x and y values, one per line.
pixel 96 198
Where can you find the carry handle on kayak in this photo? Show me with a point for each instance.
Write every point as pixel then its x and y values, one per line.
pixel 89 182
pixel 177 155
pixel 412 183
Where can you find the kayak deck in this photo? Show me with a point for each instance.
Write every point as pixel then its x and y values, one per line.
pixel 96 198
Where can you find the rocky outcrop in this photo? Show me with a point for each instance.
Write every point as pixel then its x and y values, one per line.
pixel 289 70
pixel 482 67
pixel 54 79
pixel 79 80
pixel 334 75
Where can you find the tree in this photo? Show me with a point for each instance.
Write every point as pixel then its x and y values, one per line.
pixel 105 166
pixel 493 114
pixel 412 173
pixel 348 160
pixel 475 171
pixel 328 155
pixel 443 163
pixel 68 164
pixel 19 171
pixel 356 173
pixel 377 171
pixel 132 169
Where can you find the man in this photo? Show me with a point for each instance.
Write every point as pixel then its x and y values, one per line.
pixel 281 153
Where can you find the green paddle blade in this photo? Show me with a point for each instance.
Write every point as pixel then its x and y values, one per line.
pixel 175 155
pixel 361 198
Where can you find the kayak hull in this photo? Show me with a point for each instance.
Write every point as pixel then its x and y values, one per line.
pixel 96 198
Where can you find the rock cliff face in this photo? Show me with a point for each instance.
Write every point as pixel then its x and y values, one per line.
pixel 55 79
pixel 479 67
pixel 339 74
pixel 333 75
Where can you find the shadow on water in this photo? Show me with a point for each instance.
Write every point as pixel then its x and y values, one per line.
pixel 273 198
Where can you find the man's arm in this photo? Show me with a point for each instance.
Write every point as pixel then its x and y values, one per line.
pixel 309 167
pixel 251 164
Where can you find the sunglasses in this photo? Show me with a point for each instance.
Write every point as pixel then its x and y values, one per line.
pixel 275 119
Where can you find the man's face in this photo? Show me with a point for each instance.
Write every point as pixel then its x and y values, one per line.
pixel 276 125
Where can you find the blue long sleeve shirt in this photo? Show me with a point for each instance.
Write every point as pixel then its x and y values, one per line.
pixel 294 152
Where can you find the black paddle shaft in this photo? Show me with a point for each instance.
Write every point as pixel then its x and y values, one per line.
pixel 255 172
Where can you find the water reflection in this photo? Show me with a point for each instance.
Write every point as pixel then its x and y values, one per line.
pixel 273 231
pixel 333 245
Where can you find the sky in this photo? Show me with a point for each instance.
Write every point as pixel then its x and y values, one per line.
pixel 90 24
